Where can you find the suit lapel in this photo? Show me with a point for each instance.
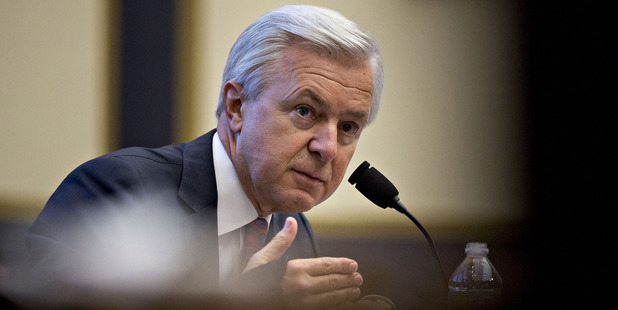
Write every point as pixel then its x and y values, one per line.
pixel 275 226
pixel 198 188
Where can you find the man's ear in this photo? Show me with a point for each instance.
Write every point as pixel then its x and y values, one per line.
pixel 232 102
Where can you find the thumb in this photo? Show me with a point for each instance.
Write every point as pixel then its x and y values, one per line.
pixel 276 247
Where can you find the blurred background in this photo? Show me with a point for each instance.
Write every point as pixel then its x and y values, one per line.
pixel 82 78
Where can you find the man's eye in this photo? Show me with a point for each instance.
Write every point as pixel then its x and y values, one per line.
pixel 349 128
pixel 303 111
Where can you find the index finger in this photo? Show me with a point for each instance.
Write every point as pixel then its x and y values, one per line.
pixel 328 265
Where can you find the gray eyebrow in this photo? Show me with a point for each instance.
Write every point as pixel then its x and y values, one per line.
pixel 309 93
pixel 359 114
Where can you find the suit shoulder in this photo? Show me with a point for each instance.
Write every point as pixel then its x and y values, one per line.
pixel 130 168
pixel 171 154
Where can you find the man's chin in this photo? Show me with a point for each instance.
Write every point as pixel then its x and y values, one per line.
pixel 298 203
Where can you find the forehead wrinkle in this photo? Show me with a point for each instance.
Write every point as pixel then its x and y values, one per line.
pixel 297 67
pixel 291 62
pixel 307 92
pixel 365 91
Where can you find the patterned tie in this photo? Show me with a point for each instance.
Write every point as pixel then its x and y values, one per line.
pixel 255 236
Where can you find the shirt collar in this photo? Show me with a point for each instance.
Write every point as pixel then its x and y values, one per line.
pixel 234 210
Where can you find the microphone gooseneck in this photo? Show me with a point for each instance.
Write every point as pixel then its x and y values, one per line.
pixel 379 190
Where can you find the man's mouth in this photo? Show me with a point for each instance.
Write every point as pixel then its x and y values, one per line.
pixel 310 176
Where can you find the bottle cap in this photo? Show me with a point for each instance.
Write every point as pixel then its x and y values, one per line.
pixel 477 247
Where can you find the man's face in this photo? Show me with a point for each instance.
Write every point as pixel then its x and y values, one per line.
pixel 297 139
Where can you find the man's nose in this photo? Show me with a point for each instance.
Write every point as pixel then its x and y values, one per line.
pixel 324 142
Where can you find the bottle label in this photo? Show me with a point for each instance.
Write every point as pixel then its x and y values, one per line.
pixel 473 299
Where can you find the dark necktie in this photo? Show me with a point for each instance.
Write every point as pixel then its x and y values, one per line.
pixel 255 236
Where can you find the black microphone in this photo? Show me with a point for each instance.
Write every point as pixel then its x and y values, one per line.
pixel 379 190
pixel 376 187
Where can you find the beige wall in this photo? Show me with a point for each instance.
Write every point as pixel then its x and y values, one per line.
pixel 448 134
pixel 52 95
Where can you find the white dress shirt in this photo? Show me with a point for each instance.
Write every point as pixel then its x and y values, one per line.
pixel 234 210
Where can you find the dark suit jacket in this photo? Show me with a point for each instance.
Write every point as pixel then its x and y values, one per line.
pixel 183 175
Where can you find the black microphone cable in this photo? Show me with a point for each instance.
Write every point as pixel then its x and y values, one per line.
pixel 379 190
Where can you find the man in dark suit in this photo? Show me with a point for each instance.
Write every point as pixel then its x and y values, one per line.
pixel 300 85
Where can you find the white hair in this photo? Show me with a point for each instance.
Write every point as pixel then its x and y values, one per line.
pixel 252 59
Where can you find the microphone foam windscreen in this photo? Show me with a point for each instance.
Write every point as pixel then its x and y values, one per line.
pixel 375 186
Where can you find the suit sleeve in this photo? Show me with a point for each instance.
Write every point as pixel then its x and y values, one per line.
pixel 55 237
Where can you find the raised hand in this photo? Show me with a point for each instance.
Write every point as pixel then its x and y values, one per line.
pixel 313 283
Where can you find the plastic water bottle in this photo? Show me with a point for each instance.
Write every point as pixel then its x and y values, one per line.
pixel 475 284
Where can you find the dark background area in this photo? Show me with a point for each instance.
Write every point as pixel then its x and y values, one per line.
pixel 146 112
